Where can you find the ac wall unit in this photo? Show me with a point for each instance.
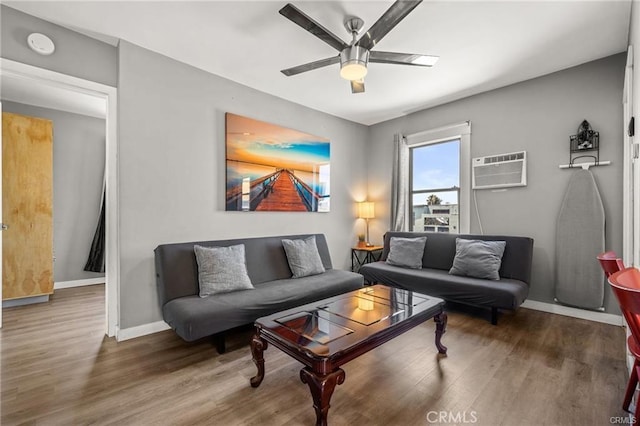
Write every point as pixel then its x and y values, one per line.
pixel 499 171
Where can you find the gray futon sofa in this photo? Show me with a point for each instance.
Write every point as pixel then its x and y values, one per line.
pixel 193 317
pixel 509 292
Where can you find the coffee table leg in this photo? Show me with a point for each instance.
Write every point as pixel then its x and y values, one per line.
pixel 321 387
pixel 258 346
pixel 441 325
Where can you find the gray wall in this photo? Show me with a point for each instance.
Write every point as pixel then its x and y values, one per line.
pixel 172 169
pixel 537 116
pixel 76 54
pixel 78 171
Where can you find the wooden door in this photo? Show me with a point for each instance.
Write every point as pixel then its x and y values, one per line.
pixel 27 199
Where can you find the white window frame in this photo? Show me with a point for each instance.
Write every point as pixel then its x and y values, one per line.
pixel 462 132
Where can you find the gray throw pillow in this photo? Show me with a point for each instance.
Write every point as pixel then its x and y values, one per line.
pixel 303 257
pixel 478 259
pixel 222 269
pixel 406 252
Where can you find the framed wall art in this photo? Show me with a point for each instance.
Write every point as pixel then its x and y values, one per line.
pixel 273 168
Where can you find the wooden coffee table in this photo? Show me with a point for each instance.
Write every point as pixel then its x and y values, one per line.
pixel 326 334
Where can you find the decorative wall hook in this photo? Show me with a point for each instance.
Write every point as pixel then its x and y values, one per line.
pixel 584 144
pixel 585 140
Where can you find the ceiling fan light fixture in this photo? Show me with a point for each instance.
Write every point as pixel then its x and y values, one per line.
pixel 353 63
pixel 354 57
pixel 353 71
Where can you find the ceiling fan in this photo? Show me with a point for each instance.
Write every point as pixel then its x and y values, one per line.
pixel 354 57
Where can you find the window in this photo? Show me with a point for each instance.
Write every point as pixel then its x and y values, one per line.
pixel 440 179
pixel 435 187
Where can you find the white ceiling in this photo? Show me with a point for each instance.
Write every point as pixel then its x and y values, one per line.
pixel 482 45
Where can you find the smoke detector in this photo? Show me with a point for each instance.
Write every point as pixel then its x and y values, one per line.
pixel 41 44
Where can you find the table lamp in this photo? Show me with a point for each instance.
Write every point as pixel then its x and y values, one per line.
pixel 366 212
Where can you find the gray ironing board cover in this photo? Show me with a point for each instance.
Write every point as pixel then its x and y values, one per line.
pixel 579 280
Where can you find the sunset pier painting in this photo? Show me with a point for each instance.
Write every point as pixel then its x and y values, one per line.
pixel 272 168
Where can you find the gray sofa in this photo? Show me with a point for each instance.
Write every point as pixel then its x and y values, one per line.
pixel 193 317
pixel 433 279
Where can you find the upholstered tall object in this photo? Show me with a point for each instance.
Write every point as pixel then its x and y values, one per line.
pixel 579 238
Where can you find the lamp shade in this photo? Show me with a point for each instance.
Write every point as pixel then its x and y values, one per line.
pixel 366 210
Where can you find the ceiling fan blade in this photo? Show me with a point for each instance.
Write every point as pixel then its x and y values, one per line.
pixel 403 58
pixel 396 13
pixel 298 17
pixel 311 66
pixel 357 86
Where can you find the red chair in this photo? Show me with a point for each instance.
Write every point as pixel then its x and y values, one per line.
pixel 610 262
pixel 626 286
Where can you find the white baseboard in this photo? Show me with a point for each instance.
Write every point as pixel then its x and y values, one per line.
pixel 78 283
pixel 140 330
pixel 573 312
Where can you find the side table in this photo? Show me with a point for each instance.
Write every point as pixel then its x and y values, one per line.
pixel 362 255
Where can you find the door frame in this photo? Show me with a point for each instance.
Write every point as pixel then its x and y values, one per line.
pixel 112 244
pixel 1 220
pixel 631 174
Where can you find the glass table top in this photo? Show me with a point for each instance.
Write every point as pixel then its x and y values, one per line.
pixel 332 324
pixel 314 326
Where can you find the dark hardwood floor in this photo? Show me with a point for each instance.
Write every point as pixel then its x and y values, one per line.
pixel 534 368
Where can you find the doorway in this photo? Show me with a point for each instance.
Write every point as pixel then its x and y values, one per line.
pixel 107 95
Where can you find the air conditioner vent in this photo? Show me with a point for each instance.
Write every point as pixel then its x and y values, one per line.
pixel 504 157
pixel 500 171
